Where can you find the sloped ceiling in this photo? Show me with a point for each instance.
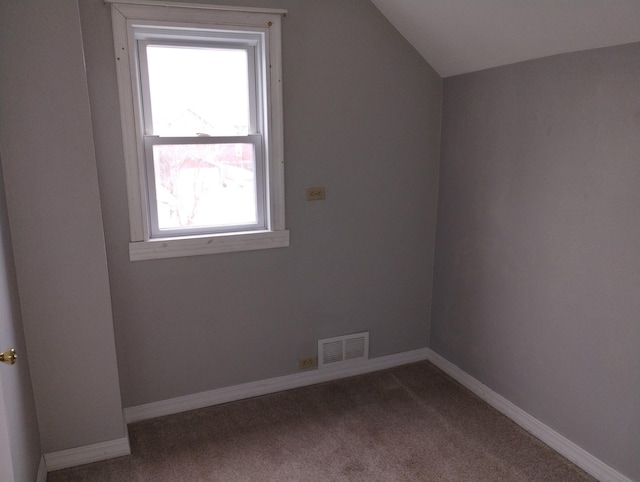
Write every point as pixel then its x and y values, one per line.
pixel 460 36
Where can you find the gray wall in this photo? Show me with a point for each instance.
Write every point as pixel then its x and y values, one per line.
pixel 17 406
pixel 56 226
pixel 537 268
pixel 362 117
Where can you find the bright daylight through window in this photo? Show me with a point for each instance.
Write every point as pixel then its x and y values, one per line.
pixel 201 160
pixel 201 104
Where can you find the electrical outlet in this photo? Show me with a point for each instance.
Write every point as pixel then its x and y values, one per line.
pixel 308 362
pixel 315 193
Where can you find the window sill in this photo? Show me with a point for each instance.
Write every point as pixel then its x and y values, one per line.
pixel 210 244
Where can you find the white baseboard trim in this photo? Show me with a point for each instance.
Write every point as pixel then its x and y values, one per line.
pixel 41 476
pixel 87 454
pixel 583 459
pixel 264 387
pixel 116 448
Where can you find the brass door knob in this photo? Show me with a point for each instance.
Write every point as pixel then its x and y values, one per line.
pixel 8 356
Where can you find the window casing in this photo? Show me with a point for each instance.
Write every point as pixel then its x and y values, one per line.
pixel 224 158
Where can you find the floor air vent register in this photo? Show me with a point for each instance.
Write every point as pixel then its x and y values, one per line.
pixel 343 350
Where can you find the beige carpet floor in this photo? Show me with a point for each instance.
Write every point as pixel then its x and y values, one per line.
pixel 409 423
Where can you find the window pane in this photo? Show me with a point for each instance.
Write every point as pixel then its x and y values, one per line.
pixel 198 91
pixel 202 185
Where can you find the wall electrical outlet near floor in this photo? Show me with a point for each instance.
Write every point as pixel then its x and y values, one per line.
pixel 308 362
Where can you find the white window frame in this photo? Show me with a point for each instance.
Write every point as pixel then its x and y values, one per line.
pixel 128 16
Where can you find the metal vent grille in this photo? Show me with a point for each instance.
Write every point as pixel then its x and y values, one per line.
pixel 354 348
pixel 343 350
pixel 332 352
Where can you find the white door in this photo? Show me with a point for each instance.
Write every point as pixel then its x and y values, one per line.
pixel 8 373
pixel 6 465
pixel 19 437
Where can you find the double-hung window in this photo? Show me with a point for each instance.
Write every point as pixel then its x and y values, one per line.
pixel 201 106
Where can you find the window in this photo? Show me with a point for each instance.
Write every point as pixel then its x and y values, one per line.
pixel 201 105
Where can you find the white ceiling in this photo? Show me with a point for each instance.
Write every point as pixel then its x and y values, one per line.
pixel 460 36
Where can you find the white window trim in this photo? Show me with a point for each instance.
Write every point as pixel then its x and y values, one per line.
pixel 125 14
pixel 202 6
